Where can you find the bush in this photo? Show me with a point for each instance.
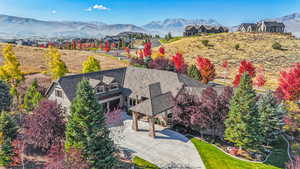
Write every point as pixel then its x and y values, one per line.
pixel 205 42
pixel 277 46
pixel 237 46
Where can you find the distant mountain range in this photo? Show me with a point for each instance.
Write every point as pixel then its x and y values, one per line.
pixel 18 27
pixel 292 23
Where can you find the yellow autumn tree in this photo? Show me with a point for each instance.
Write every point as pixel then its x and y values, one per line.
pixel 56 66
pixel 10 72
pixel 91 65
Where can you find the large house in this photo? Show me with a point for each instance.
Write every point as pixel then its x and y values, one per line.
pixel 145 92
pixel 193 30
pixel 264 26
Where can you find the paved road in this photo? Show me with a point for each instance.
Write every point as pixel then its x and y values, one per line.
pixel 169 147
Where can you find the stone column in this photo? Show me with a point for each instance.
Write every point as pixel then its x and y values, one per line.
pixel 151 127
pixel 135 126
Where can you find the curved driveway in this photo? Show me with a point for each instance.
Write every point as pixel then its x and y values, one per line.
pixel 169 147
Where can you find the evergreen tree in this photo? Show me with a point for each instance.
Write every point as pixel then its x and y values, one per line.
pixel 32 96
pixel 57 67
pixel 270 117
pixel 194 73
pixel 87 130
pixel 5 97
pixel 242 122
pixel 91 65
pixel 8 132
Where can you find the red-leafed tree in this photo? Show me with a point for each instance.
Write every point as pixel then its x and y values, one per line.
pixel 147 49
pixel 162 51
pixel 225 65
pixel 206 68
pixel 107 46
pixel 141 54
pixel 17 149
pixel 59 159
pixel 179 63
pixel 127 50
pixel 289 83
pixel 213 110
pixel 113 45
pixel 245 66
pixel 45 126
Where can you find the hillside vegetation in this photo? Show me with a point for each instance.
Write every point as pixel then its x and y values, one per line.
pixel 32 59
pixel 254 47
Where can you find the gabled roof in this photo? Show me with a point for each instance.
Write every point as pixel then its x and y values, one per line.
pixel 158 103
pixel 94 82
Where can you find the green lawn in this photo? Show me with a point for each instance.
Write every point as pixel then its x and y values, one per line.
pixel 214 158
pixel 164 41
pixel 143 164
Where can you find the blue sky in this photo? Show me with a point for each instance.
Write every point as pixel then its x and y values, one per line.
pixel 139 12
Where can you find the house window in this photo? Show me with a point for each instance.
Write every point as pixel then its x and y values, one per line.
pixel 100 89
pixel 114 86
pixel 58 93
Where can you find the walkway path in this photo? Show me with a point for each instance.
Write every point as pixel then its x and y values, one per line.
pixel 169 147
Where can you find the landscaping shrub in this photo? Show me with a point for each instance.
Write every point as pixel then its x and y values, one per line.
pixel 205 42
pixel 237 46
pixel 277 46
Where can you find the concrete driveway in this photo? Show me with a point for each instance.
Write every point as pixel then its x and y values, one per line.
pixel 169 148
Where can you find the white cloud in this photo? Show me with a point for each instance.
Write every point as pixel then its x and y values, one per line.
pixel 100 7
pixel 53 11
pixel 89 9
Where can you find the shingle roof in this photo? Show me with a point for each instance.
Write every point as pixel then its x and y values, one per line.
pixel 134 81
pixel 69 83
pixel 156 104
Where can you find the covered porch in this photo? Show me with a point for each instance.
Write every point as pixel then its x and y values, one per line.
pixel 157 105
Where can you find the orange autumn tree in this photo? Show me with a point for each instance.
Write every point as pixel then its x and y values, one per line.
pixel 206 68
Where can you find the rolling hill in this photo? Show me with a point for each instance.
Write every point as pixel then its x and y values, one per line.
pixel 256 48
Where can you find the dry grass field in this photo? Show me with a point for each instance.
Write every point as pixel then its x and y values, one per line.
pixel 32 59
pixel 256 48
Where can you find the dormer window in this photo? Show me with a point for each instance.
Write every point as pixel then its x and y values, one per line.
pixel 100 89
pixel 114 86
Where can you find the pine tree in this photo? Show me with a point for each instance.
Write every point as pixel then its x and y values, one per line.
pixel 91 65
pixel 32 96
pixel 270 117
pixel 242 122
pixel 87 130
pixel 57 67
pixel 8 132
pixel 194 73
pixel 5 97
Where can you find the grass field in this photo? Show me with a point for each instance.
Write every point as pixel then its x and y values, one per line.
pixel 214 158
pixel 143 164
pixel 254 47
pixel 32 59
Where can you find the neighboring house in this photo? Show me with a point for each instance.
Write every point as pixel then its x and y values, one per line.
pixel 193 30
pixel 147 91
pixel 264 26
